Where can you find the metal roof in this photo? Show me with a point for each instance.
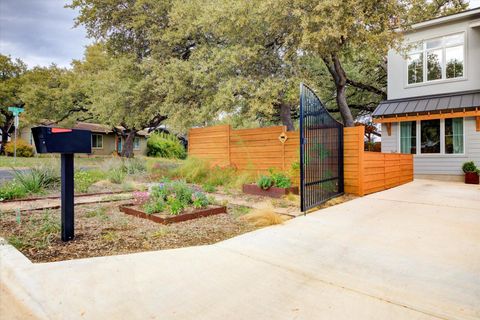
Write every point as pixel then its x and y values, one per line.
pixel 432 103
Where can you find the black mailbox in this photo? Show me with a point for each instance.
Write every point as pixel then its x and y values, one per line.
pixel 59 140
pixel 67 142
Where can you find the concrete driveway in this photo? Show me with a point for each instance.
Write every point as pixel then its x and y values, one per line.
pixel 412 252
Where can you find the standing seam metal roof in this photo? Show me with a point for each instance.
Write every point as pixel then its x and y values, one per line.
pixel 439 102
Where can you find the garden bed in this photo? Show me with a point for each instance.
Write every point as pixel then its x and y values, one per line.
pixel 272 192
pixel 166 218
pixel 102 230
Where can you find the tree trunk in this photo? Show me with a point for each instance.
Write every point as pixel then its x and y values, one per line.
pixel 5 128
pixel 127 150
pixel 286 116
pixel 339 77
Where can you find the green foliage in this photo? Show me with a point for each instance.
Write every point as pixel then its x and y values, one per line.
pixel 12 190
pixel 199 171
pixel 37 179
pixel 469 167
pixel 154 206
pixel 208 187
pixel 85 178
pixel 166 146
pixel 175 206
pixel 175 196
pixel 265 182
pixel 39 234
pixel 200 200
pixel 116 176
pixel 281 180
pixel 133 166
pixel 23 149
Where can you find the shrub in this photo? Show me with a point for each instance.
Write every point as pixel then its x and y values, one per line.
pixel 199 171
pixel 166 146
pixel 469 167
pixel 280 180
pixel 116 176
pixel 37 178
pixel 175 196
pixel 23 148
pixel 265 182
pixel 133 166
pixel 12 190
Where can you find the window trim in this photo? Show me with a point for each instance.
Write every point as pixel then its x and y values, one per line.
pixel 424 51
pixel 136 148
pixel 98 135
pixel 442 140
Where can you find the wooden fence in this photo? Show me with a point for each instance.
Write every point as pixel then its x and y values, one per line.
pixel 367 172
pixel 254 150
pixel 257 150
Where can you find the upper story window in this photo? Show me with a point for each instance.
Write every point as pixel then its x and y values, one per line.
pixel 437 59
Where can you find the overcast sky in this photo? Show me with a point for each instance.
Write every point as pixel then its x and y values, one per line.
pixel 41 32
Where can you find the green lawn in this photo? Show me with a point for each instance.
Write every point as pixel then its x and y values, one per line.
pixel 7 162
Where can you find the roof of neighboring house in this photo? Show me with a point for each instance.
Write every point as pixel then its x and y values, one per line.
pixel 448 18
pixel 100 128
pixel 433 103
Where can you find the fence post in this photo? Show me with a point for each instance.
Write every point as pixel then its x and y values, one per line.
pixel 283 150
pixel 361 152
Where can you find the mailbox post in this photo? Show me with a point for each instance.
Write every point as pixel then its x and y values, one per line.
pixel 67 142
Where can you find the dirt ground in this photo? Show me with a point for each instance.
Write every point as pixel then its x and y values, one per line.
pixel 101 229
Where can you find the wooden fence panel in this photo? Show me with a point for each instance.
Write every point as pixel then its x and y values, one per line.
pixel 257 150
pixel 368 172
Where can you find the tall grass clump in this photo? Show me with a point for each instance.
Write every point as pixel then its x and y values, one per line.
pixel 37 178
pixel 165 145
pixel 199 171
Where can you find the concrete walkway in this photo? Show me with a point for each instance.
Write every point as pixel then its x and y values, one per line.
pixel 412 252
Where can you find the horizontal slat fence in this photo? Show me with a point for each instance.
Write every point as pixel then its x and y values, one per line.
pixel 368 172
pixel 257 150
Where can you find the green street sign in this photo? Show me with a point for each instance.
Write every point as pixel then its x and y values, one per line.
pixel 15 110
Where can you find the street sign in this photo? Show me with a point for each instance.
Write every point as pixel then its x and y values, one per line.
pixel 15 110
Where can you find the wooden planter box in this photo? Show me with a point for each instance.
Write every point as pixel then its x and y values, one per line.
pixel 166 218
pixel 471 178
pixel 272 192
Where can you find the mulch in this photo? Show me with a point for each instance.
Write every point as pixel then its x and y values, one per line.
pixel 102 230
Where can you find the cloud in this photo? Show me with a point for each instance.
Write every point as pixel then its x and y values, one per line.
pixel 40 32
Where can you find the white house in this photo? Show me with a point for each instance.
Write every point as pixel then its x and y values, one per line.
pixel 433 106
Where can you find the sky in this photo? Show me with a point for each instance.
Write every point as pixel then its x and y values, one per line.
pixel 41 32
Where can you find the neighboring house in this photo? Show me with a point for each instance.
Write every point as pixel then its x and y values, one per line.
pixel 105 140
pixel 433 106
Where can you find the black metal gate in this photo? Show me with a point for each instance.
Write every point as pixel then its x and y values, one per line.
pixel 321 152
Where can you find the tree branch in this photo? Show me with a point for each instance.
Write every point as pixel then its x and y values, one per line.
pixel 367 87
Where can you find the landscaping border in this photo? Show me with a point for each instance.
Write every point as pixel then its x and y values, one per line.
pixel 127 209
pixel 273 192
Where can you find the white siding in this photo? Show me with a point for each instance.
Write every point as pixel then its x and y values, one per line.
pixel 439 164
pixel 390 142
pixel 397 67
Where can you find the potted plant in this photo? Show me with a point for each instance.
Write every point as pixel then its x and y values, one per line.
pixel 471 172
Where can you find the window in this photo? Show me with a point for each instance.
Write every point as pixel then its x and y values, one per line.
pixel 430 136
pixel 454 135
pixel 408 137
pixel 97 141
pixel 136 143
pixel 434 65
pixel 415 68
pixel 443 57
